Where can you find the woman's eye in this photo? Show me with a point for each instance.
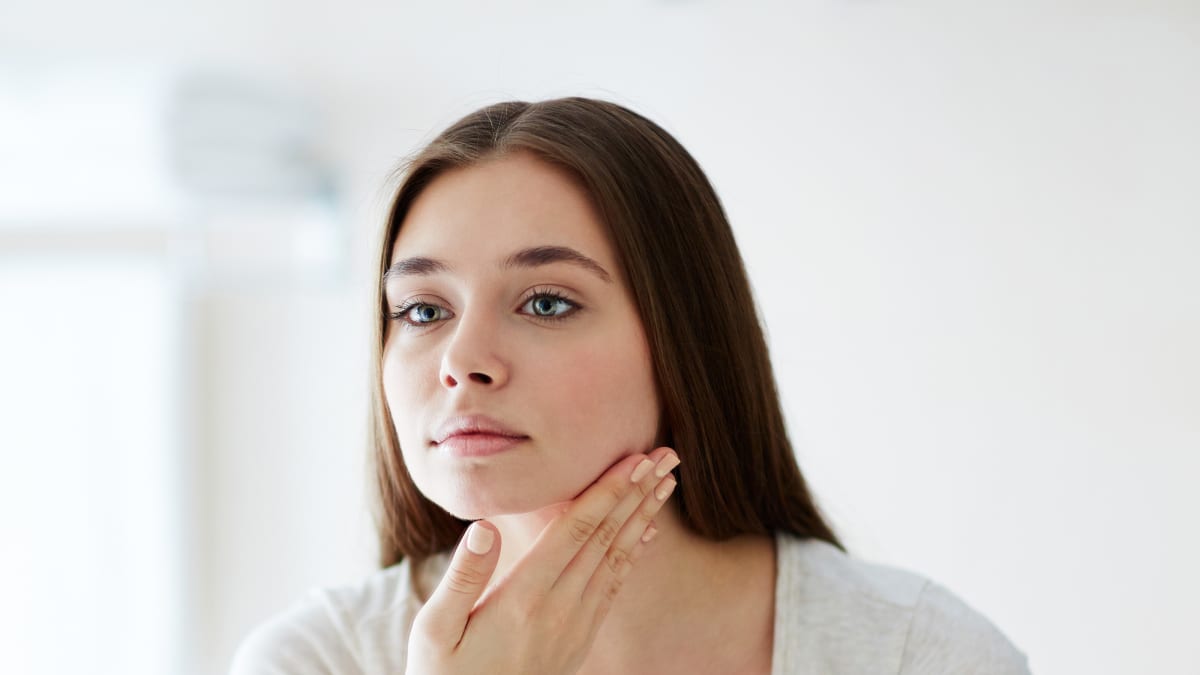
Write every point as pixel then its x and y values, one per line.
pixel 545 306
pixel 550 306
pixel 419 313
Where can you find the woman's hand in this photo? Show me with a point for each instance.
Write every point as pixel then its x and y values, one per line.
pixel 543 617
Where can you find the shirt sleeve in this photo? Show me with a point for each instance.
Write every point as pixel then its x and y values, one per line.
pixel 303 640
pixel 949 636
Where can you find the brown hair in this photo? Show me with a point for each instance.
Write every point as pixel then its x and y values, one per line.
pixel 680 261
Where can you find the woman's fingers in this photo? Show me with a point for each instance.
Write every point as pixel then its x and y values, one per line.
pixel 607 579
pixel 450 604
pixel 571 530
pixel 607 556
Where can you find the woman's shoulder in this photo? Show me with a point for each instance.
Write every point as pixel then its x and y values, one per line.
pixel 352 628
pixel 852 615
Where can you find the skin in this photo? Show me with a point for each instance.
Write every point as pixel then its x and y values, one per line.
pixel 581 388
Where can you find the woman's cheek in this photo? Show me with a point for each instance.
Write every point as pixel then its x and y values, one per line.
pixel 624 399
pixel 611 418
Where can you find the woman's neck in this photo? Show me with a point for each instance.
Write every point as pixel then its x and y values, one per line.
pixel 684 592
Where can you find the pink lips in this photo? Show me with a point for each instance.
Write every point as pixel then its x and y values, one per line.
pixel 475 436
pixel 478 445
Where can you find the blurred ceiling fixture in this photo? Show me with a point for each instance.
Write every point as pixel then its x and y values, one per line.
pixel 201 154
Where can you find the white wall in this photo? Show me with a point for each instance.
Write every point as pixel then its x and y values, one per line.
pixel 972 231
pixel 92 543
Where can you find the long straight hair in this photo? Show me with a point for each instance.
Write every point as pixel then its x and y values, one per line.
pixel 721 410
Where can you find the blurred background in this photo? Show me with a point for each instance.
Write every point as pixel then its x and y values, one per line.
pixel 973 231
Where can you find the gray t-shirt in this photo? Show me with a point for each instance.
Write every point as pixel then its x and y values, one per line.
pixel 833 614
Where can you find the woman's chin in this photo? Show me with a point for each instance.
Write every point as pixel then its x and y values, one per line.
pixel 476 495
pixel 476 506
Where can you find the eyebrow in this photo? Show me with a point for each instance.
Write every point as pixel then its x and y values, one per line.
pixel 526 258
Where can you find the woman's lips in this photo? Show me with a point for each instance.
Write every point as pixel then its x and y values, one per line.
pixel 478 445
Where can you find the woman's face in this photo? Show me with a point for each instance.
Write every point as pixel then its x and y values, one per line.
pixel 497 323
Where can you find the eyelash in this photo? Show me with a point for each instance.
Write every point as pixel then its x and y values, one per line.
pixel 403 310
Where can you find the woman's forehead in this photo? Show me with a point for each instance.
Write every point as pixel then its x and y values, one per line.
pixel 489 213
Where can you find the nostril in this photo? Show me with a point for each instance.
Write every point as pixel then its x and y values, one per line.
pixel 480 377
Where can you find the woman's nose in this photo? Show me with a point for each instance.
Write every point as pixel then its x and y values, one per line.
pixel 471 355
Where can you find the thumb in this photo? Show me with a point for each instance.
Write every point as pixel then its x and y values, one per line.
pixel 446 612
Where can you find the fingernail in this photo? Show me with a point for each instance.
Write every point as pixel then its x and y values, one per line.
pixel 665 465
pixel 650 532
pixel 665 489
pixel 641 470
pixel 479 539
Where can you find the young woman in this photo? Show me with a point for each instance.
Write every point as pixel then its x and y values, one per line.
pixel 566 335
